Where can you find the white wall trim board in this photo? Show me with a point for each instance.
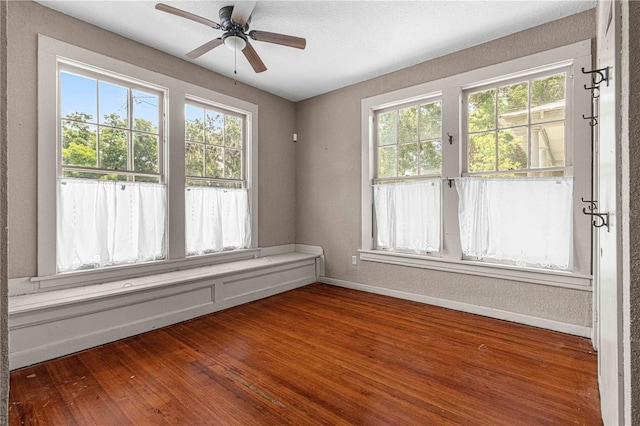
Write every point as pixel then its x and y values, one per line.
pixel 47 325
pixel 304 248
pixel 491 270
pixel 547 324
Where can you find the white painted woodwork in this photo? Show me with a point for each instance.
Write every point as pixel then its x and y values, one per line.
pixel 608 279
pixel 547 324
pixel 47 325
pixel 575 56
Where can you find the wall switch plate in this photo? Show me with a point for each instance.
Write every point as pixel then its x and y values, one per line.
pixel 354 260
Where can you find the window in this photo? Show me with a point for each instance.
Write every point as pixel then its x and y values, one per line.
pixel 126 165
pixel 517 128
pixel 216 199
pixel 214 146
pixel 516 158
pixel 406 196
pixel 409 141
pixel 111 192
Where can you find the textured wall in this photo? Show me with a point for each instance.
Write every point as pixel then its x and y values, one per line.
pixel 4 330
pixel 26 20
pixel 328 182
pixel 632 140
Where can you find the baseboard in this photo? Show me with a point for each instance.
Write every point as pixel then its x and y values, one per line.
pixel 547 324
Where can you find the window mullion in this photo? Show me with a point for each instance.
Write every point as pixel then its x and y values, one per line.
pixel 130 138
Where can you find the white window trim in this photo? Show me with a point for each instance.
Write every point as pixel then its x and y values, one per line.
pixel 178 92
pixel 578 55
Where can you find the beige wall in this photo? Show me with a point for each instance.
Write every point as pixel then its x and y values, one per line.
pixel 328 182
pixel 4 318
pixel 26 20
pixel 631 156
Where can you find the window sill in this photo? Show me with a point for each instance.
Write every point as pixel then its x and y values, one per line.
pixel 97 276
pixel 470 267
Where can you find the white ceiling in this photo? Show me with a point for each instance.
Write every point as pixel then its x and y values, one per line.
pixel 347 41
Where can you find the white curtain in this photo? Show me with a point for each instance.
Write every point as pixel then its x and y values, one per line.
pixel 217 219
pixel 527 220
pixel 103 223
pixel 408 215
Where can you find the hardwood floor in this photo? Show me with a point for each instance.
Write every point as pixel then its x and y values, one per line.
pixel 320 355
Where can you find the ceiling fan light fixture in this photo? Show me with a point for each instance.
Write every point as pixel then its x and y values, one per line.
pixel 235 42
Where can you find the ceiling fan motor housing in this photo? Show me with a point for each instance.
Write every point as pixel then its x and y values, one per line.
pixel 227 24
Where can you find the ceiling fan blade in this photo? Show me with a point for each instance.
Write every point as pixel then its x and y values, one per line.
pixel 199 51
pixel 253 58
pixel 184 14
pixel 285 40
pixel 242 11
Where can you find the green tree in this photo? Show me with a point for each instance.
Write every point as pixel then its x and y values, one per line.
pixel 113 143
pixel 80 147
pixel 79 143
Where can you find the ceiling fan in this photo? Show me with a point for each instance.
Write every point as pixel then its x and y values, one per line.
pixel 234 21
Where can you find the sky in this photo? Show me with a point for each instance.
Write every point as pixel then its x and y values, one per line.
pixel 94 97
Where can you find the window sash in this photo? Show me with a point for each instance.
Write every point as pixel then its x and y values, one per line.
pixel 419 141
pixel 206 106
pixel 506 80
pixel 130 83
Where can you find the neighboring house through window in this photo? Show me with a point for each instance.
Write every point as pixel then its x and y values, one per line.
pixel 483 172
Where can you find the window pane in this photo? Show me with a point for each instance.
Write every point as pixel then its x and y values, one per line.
pixel 408 159
pixel 431 158
pixel 408 125
pixel 193 159
pixel 78 97
pixel 213 161
pixel 145 111
pixel 79 144
pixel 513 105
pixel 387 162
pixel 512 149
pixel 113 148
pixel 387 128
pixel 233 132
pixel 145 153
pixel 482 152
pixel 114 105
pixel 431 121
pixel 548 145
pixel 214 126
pixel 548 98
pixel 194 126
pixel 482 110
pixel 233 164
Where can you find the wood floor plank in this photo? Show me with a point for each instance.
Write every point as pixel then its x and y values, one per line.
pixel 320 355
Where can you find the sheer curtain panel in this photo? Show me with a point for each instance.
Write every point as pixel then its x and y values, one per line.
pixel 408 215
pixel 217 219
pixel 525 220
pixel 102 223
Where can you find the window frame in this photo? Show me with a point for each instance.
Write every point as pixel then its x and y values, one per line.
pixel 200 103
pixel 397 144
pixel 548 71
pixel 84 70
pixel 451 89
pixel 50 53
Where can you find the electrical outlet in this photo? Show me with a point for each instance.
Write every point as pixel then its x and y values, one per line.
pixel 354 260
